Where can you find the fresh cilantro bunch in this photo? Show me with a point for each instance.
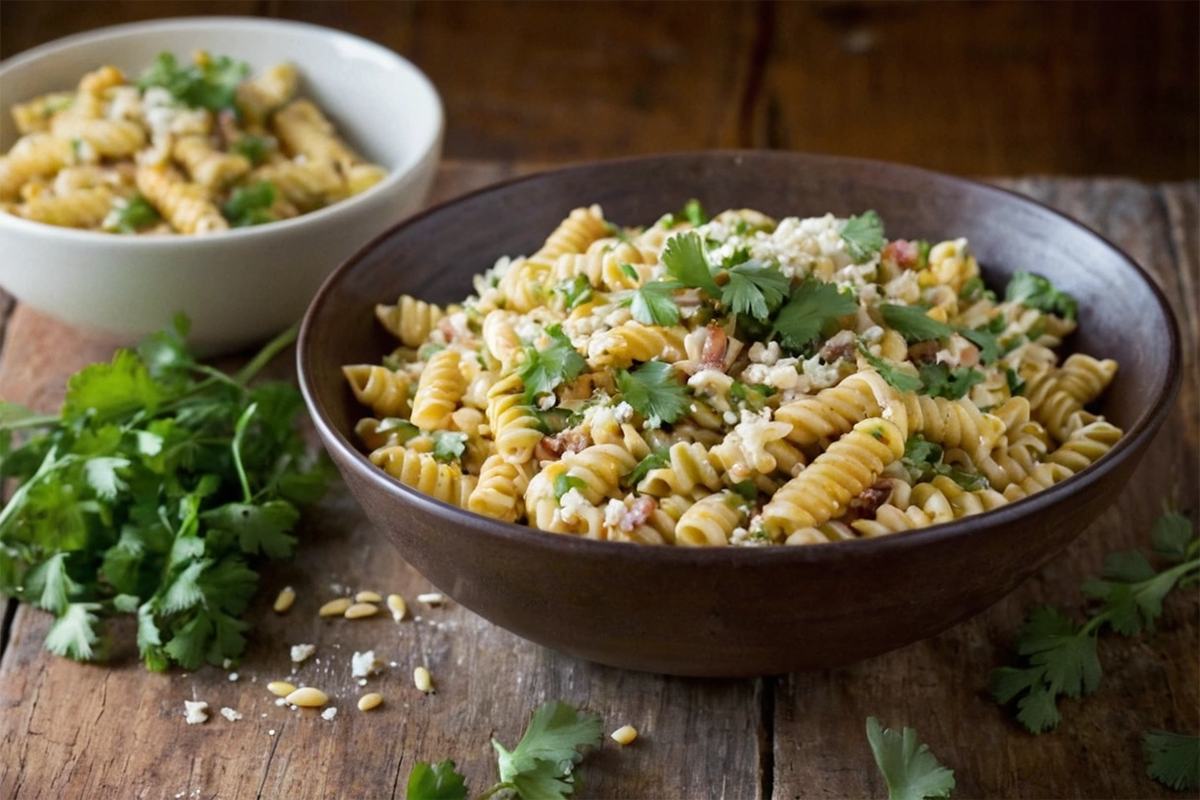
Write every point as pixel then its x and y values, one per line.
pixel 153 493
pixel 212 85
pixel 910 770
pixel 540 767
pixel 1059 657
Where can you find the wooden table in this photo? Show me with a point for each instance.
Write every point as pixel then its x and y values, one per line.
pixel 85 731
pixel 1078 88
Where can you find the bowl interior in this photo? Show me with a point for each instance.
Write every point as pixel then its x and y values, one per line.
pixel 380 103
pixel 434 255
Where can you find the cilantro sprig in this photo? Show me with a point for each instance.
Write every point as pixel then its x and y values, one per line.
pixel 250 205
pixel 132 215
pixel 541 766
pixel 652 303
pixel 153 492
pixel 812 307
pixel 1059 656
pixel 1035 291
pixel 863 236
pixel 654 390
pixel 212 85
pixel 684 259
pixel 909 769
pixel 923 460
pixel 544 370
pixel 935 380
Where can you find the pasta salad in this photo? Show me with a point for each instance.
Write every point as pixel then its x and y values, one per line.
pixel 735 380
pixel 187 148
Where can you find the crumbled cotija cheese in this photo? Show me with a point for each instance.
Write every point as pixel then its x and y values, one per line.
pixel 571 504
pixel 364 664
pixel 195 711
pixel 301 652
pixel 229 714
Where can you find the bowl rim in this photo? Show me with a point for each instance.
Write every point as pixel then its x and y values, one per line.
pixel 1132 440
pixel 397 178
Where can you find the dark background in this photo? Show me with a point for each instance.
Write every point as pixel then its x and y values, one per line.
pixel 980 88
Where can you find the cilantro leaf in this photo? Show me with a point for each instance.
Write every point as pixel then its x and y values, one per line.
pixel 863 236
pixel 693 212
pixel 1034 291
pixel 73 634
pixel 253 148
pixel 652 303
pixel 685 261
pixel 923 460
pixel 901 380
pixel 1016 385
pixel 101 474
pixel 1172 760
pixel 565 483
pixel 913 324
pixel 754 288
pixel 813 305
pixel 546 369
pixel 939 380
pixel 250 205
pixel 130 216
pixel 575 291
pixel 50 584
pixel 259 528
pixel 973 290
pixel 989 346
pixel 440 781
pixel 402 429
pixel 656 460
pixel 910 770
pixel 1171 534
pixel 449 445
pixel 654 390
pixel 107 391
pixel 554 735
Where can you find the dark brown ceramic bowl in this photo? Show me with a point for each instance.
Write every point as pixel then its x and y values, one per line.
pixel 736 611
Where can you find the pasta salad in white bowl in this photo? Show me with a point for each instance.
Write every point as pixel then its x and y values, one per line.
pixel 219 167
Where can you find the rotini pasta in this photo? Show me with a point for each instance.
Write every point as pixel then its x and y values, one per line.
pixel 190 149
pixel 734 381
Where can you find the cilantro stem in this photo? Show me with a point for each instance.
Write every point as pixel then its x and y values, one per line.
pixel 491 790
pixel 40 421
pixel 1104 616
pixel 239 432
pixel 267 354
pixel 48 465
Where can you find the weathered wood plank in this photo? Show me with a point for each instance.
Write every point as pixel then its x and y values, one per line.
pixel 28 23
pixel 567 81
pixel 915 82
pixel 72 730
pixel 939 686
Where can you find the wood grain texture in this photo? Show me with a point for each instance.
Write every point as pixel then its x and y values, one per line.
pixel 972 88
pixel 70 730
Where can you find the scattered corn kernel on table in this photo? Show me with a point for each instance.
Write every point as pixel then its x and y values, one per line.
pixel 69 730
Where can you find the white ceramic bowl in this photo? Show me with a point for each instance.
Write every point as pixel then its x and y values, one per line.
pixel 244 285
